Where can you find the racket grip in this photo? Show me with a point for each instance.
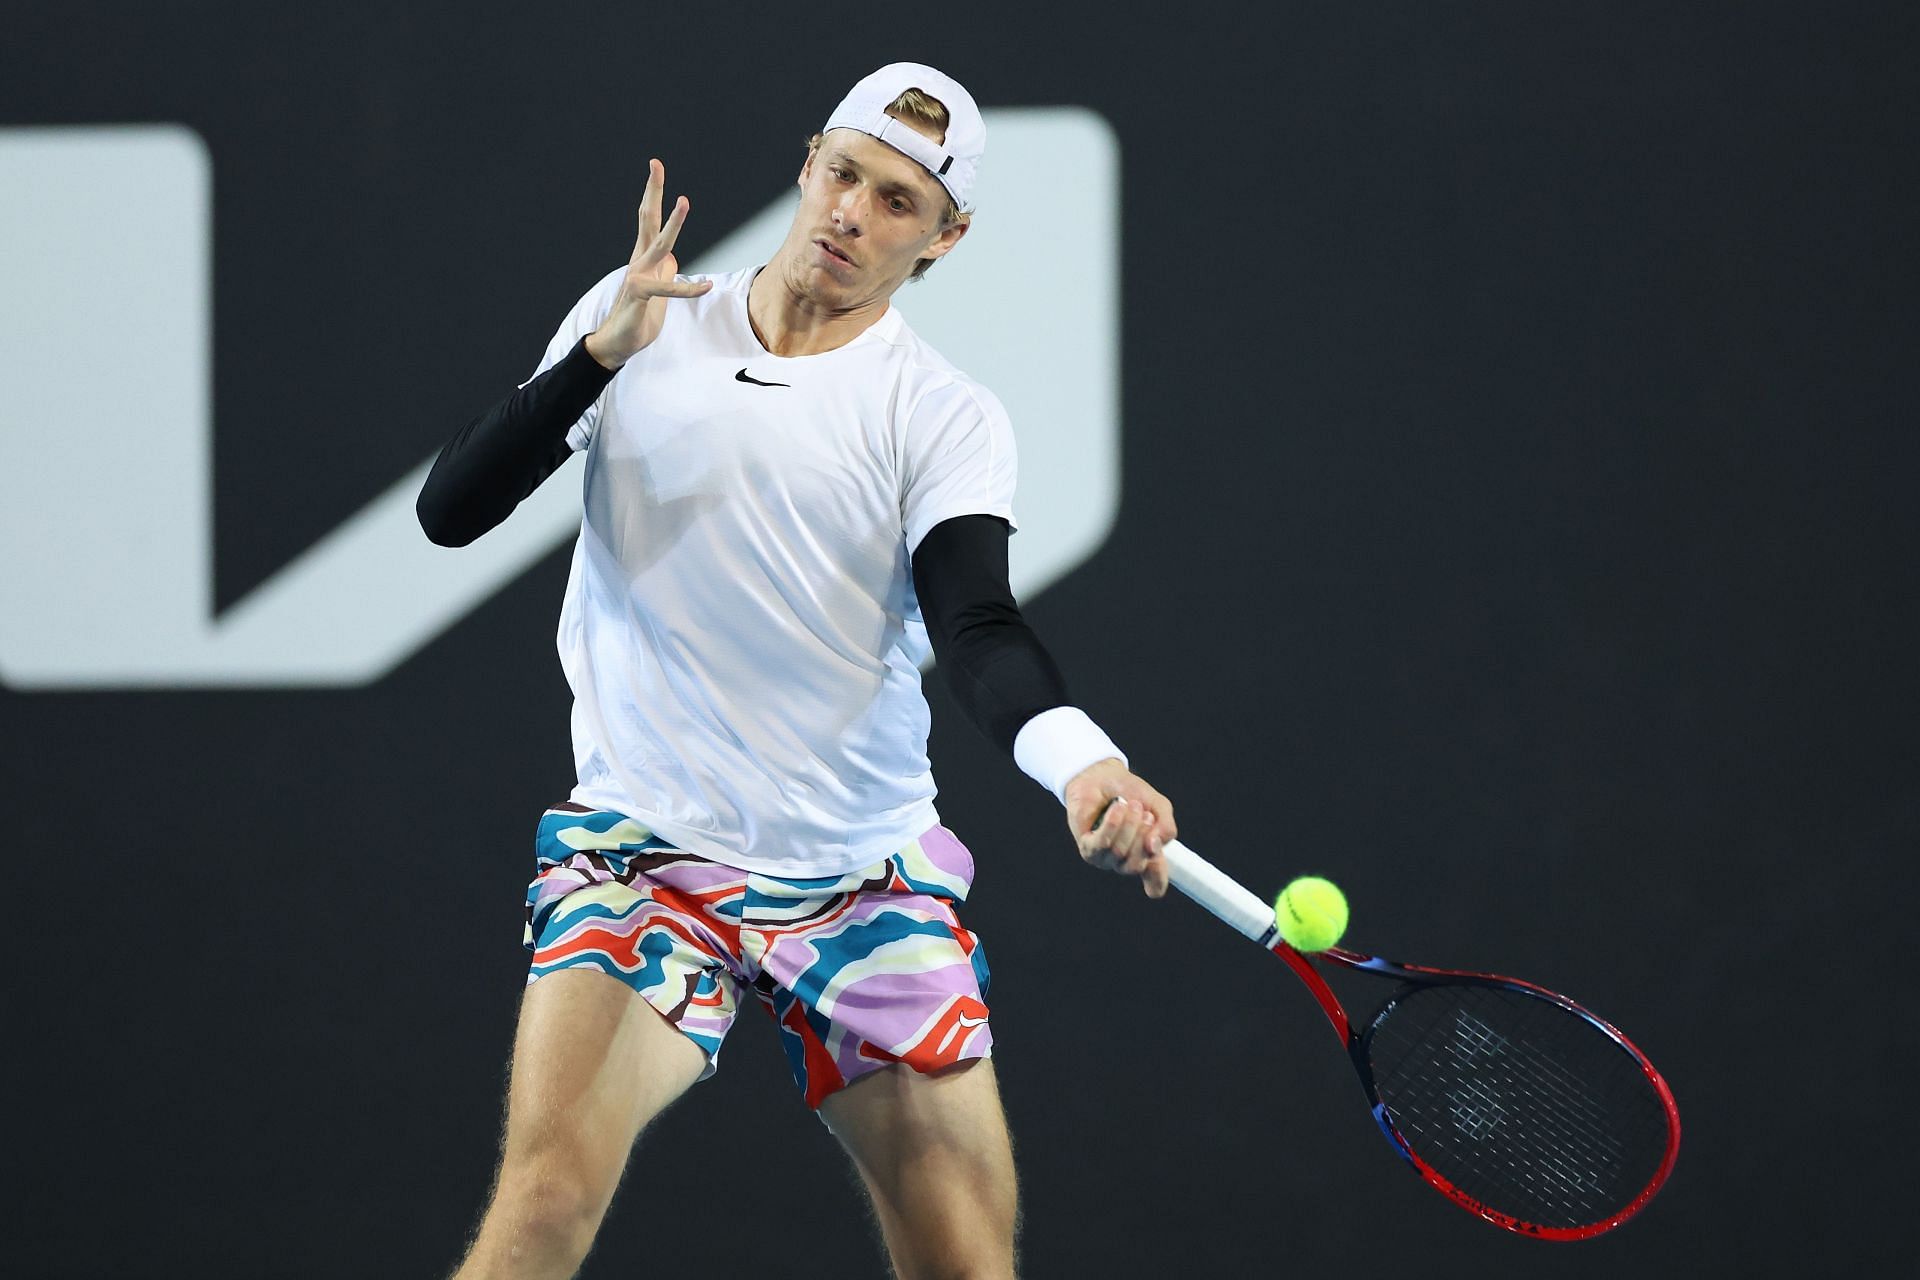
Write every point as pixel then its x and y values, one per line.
pixel 1219 892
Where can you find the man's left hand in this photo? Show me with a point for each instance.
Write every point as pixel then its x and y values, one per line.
pixel 1120 823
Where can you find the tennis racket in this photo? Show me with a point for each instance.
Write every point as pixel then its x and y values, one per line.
pixel 1512 1101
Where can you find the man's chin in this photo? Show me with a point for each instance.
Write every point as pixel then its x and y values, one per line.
pixel 841 286
pixel 838 287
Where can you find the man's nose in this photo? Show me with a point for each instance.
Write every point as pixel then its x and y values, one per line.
pixel 850 213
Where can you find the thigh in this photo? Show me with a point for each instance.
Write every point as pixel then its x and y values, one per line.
pixel 872 968
pixel 935 1154
pixel 593 1062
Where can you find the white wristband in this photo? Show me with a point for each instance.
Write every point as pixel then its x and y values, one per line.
pixel 1056 745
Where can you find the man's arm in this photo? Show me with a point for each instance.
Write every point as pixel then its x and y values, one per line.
pixel 499 458
pixel 998 671
pixel 502 456
pixel 1010 687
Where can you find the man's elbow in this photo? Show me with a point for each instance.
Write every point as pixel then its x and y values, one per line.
pixel 441 529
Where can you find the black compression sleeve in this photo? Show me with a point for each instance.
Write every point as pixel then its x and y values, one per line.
pixel 502 456
pixel 999 672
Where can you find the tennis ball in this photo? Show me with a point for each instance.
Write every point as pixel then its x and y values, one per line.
pixel 1311 913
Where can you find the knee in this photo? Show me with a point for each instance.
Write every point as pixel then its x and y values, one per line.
pixel 979 1244
pixel 549 1213
pixel 955 1268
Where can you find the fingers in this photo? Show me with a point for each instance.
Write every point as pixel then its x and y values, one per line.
pixel 1098 815
pixel 1129 835
pixel 1124 824
pixel 1120 823
pixel 648 255
pixel 1126 833
pixel 682 288
pixel 663 242
pixel 656 238
pixel 1154 882
pixel 650 202
pixel 1136 840
pixel 652 271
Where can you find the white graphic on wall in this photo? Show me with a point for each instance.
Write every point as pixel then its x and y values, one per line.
pixel 106 465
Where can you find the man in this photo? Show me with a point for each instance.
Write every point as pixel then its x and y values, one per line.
pixel 787 494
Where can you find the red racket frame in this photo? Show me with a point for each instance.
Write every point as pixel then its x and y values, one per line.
pixel 1424 975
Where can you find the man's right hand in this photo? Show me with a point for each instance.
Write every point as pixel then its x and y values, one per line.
pixel 1121 823
pixel 640 308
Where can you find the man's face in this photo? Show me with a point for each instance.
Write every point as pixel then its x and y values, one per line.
pixel 867 214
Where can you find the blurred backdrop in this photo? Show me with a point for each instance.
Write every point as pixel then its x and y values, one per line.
pixel 1468 454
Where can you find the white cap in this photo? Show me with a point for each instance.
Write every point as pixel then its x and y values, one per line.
pixel 955 161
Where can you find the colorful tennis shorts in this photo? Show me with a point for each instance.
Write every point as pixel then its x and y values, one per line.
pixel 859 970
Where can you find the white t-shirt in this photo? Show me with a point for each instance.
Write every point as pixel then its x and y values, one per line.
pixel 740 627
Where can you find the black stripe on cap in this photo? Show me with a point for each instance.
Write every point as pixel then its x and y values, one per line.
pixel 946 166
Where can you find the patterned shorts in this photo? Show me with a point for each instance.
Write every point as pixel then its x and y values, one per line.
pixel 858 970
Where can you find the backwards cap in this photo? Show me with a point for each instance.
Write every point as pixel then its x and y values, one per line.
pixel 955 161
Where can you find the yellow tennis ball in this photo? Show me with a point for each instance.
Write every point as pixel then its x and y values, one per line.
pixel 1311 913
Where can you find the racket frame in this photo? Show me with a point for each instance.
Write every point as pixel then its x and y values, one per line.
pixel 1238 907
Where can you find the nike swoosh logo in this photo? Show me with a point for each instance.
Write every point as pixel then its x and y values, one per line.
pixel 960 1023
pixel 742 377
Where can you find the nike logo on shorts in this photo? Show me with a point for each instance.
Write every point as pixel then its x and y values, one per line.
pixel 961 1023
pixel 742 377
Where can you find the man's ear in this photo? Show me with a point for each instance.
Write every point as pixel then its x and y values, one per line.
pixel 944 243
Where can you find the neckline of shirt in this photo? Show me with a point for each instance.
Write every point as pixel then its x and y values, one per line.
pixel 882 330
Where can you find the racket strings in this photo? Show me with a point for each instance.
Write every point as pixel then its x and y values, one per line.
pixel 1523 1105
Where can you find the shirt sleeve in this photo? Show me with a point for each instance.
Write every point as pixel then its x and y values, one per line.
pixel 959 459
pixel 585 317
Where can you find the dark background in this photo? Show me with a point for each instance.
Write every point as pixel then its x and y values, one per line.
pixel 1518 526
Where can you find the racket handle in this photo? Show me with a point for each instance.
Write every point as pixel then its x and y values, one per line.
pixel 1219 893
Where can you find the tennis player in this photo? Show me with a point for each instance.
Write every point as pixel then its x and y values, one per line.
pixel 787 497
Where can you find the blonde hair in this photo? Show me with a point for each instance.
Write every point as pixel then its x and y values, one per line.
pixel 919 109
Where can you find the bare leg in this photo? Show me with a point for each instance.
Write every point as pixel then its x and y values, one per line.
pixel 935 1155
pixel 592 1064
